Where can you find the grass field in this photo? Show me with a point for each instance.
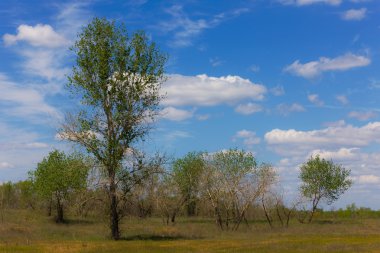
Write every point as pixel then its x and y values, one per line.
pixel 25 231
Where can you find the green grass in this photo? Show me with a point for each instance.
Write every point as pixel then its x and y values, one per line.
pixel 25 231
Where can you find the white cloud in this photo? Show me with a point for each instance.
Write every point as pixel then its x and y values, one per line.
pixel 338 123
pixel 368 179
pixel 175 114
pixel 342 154
pixel 295 142
pixel 354 14
pixel 38 36
pixel 340 63
pixel 185 28
pixel 362 116
pixel 203 117
pixel 314 98
pixel 203 90
pixel 45 63
pixel 248 108
pixel 23 145
pixel 24 102
pixel 285 109
pixel 6 165
pixel 278 90
pixel 215 62
pixel 254 68
pixel 310 2
pixel 177 134
pixel 342 99
pixel 249 137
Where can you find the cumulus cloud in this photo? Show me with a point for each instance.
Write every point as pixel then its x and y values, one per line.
pixel 354 14
pixel 342 154
pixel 310 2
pixel 203 90
pixel 249 108
pixel 174 114
pixel 314 98
pixel 249 137
pixel 291 141
pixel 315 68
pixel 285 109
pixel 39 35
pixel 362 116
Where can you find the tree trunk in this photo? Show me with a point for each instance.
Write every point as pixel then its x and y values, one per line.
pixel 114 215
pixel 191 208
pixel 49 206
pixel 315 205
pixel 59 218
pixel 267 216
pixel 173 217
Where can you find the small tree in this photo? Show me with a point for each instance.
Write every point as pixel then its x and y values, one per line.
pixel 169 199
pixel 57 176
pixel 232 183
pixel 187 173
pixel 323 180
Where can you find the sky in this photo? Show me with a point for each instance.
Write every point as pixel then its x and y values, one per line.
pixel 284 79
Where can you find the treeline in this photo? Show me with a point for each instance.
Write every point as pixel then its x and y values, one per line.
pixel 228 186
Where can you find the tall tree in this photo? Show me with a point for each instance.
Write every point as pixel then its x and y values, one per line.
pixel 58 175
pixel 322 180
pixel 118 78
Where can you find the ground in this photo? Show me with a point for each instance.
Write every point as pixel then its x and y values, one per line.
pixel 27 231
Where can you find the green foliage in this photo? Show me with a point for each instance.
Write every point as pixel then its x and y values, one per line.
pixel 322 179
pixel 7 194
pixel 118 78
pixel 232 184
pixel 187 172
pixel 57 176
pixel 234 165
pixel 60 174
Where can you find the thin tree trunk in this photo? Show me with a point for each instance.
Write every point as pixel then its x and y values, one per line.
pixel 266 213
pixel 114 215
pixel 59 218
pixel 49 205
pixel 315 204
pixel 279 215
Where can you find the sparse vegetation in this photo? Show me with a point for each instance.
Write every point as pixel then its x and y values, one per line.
pixel 203 202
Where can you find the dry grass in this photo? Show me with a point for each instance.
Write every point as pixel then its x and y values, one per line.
pixel 23 231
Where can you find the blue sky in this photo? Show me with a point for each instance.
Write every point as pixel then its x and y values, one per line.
pixel 285 79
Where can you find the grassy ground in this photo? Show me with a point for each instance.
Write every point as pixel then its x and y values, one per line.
pixel 22 231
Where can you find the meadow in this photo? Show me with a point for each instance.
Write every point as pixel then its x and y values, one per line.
pixel 29 231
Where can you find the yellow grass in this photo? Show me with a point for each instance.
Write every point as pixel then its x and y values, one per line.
pixel 22 231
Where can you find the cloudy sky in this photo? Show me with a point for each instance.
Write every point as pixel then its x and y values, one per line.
pixel 285 79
